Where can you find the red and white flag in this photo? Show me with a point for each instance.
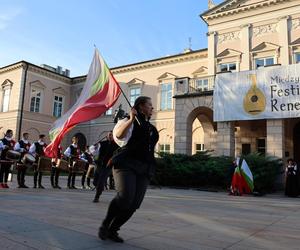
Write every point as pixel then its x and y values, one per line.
pixel 99 93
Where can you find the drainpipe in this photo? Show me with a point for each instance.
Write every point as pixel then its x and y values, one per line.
pixel 22 101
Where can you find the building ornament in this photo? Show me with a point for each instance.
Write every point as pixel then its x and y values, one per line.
pixel 229 9
pixel 264 29
pixel 295 24
pixel 164 61
pixel 228 37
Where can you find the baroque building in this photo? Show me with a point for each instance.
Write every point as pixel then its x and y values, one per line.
pixel 242 35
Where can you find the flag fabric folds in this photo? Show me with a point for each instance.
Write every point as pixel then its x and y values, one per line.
pixel 242 179
pixel 99 93
pixel 247 177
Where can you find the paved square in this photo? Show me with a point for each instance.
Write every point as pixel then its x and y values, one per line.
pixel 169 219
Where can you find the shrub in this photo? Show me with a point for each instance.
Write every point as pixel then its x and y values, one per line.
pixel 265 170
pixel 204 170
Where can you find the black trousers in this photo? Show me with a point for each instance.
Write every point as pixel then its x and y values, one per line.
pixel 102 176
pixel 4 171
pixel 37 177
pixel 131 189
pixel 54 176
pixel 71 178
pixel 21 175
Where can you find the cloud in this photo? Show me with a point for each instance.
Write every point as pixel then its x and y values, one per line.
pixel 8 16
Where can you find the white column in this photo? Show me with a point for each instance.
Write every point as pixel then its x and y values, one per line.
pixel 275 138
pixel 225 139
pixel 284 39
pixel 245 41
pixel 211 52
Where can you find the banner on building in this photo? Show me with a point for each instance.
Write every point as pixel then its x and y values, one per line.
pixel 266 93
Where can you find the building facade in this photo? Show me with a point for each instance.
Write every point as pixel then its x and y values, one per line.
pixel 242 35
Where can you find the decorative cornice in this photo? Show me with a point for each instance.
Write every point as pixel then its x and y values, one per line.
pixel 80 79
pixel 264 29
pixel 160 62
pixel 36 69
pixel 217 13
pixel 49 74
pixel 12 67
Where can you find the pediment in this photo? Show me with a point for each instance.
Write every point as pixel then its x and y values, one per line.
pixel 37 84
pixel 136 81
pixel 167 75
pixel 265 46
pixel 229 53
pixel 234 6
pixel 224 6
pixel 296 42
pixel 201 70
pixel 60 91
pixel 7 83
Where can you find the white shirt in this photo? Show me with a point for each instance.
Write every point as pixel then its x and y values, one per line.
pixel 123 141
pixel 67 153
pixel 32 149
pixel 2 146
pixel 94 150
pixel 18 147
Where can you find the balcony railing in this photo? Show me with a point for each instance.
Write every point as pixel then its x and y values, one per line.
pixel 187 86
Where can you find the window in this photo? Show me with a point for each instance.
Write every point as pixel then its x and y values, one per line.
pixel 164 148
pixel 246 149
pixel 58 105
pixel 224 67
pixel 297 57
pixel 202 84
pixel 109 111
pixel 35 100
pixel 261 145
pixel 261 62
pixel 199 148
pixel 5 104
pixel 134 93
pixel 166 96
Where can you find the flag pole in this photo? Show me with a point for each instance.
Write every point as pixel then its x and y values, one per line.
pixel 137 120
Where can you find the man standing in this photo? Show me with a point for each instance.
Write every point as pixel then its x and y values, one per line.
pixel 37 150
pixel 7 143
pixel 72 153
pixel 106 151
pixel 22 146
pixel 55 168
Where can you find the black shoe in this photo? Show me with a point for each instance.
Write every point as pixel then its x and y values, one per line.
pixel 69 187
pixel 24 186
pixel 34 186
pixel 114 236
pixel 57 187
pixel 103 232
pixel 53 186
pixel 73 187
pixel 96 200
pixel 20 186
pixel 42 187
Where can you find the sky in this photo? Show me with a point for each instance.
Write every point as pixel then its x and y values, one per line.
pixel 64 32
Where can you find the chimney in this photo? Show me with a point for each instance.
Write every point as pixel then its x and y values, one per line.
pixel 211 4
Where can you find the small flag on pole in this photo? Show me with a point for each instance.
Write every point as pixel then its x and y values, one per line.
pixel 247 177
pixel 99 93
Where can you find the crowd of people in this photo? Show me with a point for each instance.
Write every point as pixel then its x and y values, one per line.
pixel 23 155
pixel 128 152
